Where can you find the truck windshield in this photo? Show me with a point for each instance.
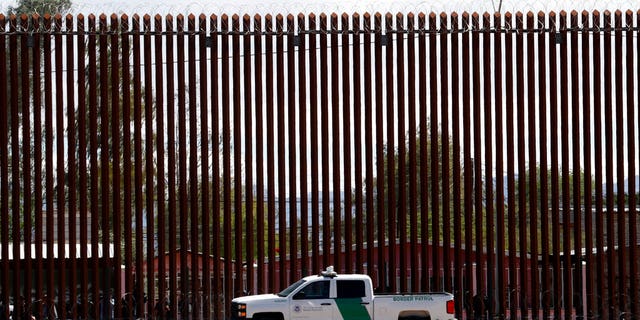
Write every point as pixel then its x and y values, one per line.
pixel 290 289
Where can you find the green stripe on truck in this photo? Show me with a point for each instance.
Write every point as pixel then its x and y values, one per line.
pixel 352 309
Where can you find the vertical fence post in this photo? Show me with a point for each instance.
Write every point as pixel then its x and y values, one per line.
pixel 248 156
pixel 302 134
pixel 215 166
pixel 259 134
pixel 532 168
pixel 313 137
pixel 159 258
pixel 499 308
pixel 544 201
pixel 632 121
pixel 588 187
pixel 4 169
pixel 412 163
pixel 346 148
pixel 456 171
pixel 382 283
pixel 292 152
pixel 445 142
pixel 402 153
pixel 609 147
pixel 369 148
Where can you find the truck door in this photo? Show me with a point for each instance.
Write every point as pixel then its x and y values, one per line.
pixel 352 301
pixel 313 302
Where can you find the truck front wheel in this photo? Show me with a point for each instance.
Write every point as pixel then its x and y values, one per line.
pixel 268 316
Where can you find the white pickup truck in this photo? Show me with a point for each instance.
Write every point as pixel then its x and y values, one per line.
pixel 345 297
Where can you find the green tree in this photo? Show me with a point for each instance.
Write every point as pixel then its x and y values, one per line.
pixel 40 7
pixel 421 172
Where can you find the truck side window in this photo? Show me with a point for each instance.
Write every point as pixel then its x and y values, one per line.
pixel 350 289
pixel 314 290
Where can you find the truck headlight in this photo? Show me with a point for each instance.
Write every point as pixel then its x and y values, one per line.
pixel 242 311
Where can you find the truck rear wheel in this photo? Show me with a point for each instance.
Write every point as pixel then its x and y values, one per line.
pixel 414 315
pixel 269 316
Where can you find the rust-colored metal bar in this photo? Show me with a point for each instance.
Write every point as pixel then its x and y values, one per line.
pixel 280 149
pixel 181 165
pixel 116 178
pixel 12 109
pixel 248 154
pixel 259 134
pixel 4 168
pixel 127 203
pixel 488 165
pixel 456 170
pixel 564 154
pixel 149 169
pixel 313 135
pixel 597 144
pixel 27 208
pixel 609 144
pixel 477 155
pixel 37 102
pixel 498 308
pixel 533 175
pixel 205 199
pixel 237 159
pixel 335 151
pixel 467 165
pixel 413 165
pixel 138 285
pixel 302 132
pixel 413 266
pixel 402 155
pixel 60 159
pixel 369 148
pixel 160 160
pixel 444 142
pixel 544 198
pixel 588 187
pixel 37 156
pixel 357 143
pixel 391 166
pixel 193 164
pixel 433 156
pixel 271 208
pixel 346 148
pixel 291 116
pixel 620 219
pixel 324 127
pixel 555 207
pixel 521 166
pixel 577 196
pixel 215 166
pixel 171 169
pixel 566 187
pixel 105 161
pixel 160 174
pixel 511 199
pixel 48 106
pixel 631 122
pixel 382 283
pixel 226 165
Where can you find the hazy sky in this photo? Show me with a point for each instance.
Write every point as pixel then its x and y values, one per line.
pixel 318 6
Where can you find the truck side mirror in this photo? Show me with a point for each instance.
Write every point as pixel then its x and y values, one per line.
pixel 300 295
